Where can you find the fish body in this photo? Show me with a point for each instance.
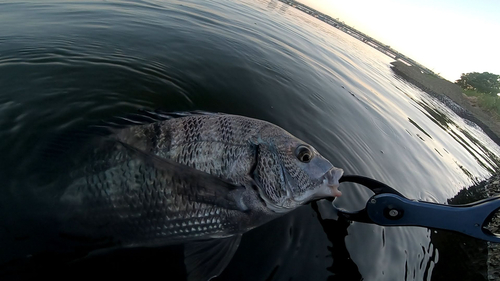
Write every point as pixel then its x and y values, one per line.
pixel 192 178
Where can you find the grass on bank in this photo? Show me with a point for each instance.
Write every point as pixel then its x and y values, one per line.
pixel 489 103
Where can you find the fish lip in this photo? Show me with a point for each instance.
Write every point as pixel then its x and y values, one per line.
pixel 327 187
pixel 331 180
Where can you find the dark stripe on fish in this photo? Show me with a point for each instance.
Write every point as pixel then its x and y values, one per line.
pixel 156 135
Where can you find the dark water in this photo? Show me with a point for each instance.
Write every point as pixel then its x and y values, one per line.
pixel 67 64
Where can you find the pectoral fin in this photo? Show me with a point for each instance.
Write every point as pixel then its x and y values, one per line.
pixel 206 187
pixel 207 259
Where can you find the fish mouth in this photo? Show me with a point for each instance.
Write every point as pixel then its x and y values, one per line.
pixel 326 188
pixel 331 181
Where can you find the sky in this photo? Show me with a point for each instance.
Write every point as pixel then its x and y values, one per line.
pixel 450 37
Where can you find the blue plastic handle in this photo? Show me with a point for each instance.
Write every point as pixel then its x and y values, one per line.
pixel 393 210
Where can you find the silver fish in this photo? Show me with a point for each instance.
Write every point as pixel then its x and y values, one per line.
pixel 193 178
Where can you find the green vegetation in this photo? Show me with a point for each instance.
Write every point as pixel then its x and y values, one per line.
pixel 481 90
pixel 487 83
pixel 487 102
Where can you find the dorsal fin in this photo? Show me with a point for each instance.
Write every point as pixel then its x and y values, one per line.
pixel 70 140
pixel 148 116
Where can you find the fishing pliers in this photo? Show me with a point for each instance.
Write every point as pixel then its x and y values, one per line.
pixel 388 207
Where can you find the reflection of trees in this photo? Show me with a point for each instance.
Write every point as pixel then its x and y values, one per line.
pixel 484 157
pixel 343 266
pixel 461 257
pixel 418 127
pixel 491 158
pixel 437 117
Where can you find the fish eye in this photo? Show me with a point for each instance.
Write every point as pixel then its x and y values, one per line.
pixel 304 153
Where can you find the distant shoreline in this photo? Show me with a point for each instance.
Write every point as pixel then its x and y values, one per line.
pixel 415 73
pixel 340 25
pixel 439 87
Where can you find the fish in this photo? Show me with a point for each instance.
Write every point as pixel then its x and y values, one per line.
pixel 200 179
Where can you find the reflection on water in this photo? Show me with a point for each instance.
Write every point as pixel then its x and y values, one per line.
pixel 461 257
pixel 272 4
pixel 418 127
pixel 492 224
pixel 276 5
pixel 343 267
pixel 483 154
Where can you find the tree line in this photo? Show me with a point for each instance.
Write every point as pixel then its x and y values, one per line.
pixel 487 83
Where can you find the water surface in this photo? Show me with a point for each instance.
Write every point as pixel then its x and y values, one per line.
pixel 67 64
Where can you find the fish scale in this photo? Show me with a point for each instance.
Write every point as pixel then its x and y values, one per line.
pixel 111 192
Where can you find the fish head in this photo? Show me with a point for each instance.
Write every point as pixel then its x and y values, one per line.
pixel 289 172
